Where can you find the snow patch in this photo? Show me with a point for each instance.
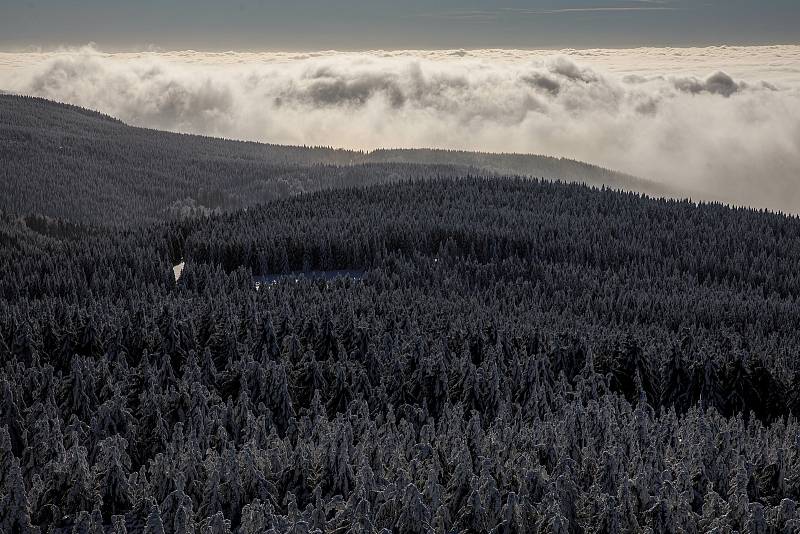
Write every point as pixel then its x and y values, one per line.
pixel 177 270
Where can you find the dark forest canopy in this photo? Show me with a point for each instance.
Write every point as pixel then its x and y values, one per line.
pixel 66 162
pixel 519 356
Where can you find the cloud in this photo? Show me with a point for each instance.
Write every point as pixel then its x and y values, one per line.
pixel 570 70
pixel 719 120
pixel 718 83
pixel 544 82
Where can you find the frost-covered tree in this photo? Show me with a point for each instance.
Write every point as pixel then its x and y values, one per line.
pixel 14 506
pixel 154 525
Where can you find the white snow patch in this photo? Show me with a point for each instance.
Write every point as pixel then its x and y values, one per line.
pixel 177 270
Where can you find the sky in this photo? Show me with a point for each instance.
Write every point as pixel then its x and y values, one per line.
pixel 304 25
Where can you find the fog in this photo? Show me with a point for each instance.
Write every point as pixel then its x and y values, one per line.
pixel 724 122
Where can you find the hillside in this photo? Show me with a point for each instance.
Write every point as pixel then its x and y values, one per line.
pixel 66 162
pixel 518 356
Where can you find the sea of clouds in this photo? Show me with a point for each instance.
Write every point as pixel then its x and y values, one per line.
pixel 721 122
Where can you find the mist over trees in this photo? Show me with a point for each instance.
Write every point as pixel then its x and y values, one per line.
pixel 519 356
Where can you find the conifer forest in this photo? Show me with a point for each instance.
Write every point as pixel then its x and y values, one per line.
pixel 201 336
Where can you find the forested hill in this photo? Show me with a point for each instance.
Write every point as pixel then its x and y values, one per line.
pixel 67 162
pixel 518 357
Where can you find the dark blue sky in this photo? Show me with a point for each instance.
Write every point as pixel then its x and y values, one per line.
pixel 367 24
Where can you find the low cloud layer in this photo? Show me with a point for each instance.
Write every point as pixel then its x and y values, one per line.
pixel 724 122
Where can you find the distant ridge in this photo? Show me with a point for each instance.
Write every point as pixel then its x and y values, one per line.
pixel 510 163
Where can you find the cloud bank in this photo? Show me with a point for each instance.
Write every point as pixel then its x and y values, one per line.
pixel 723 121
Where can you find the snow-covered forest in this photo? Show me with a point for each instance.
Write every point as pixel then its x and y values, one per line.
pixel 519 356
